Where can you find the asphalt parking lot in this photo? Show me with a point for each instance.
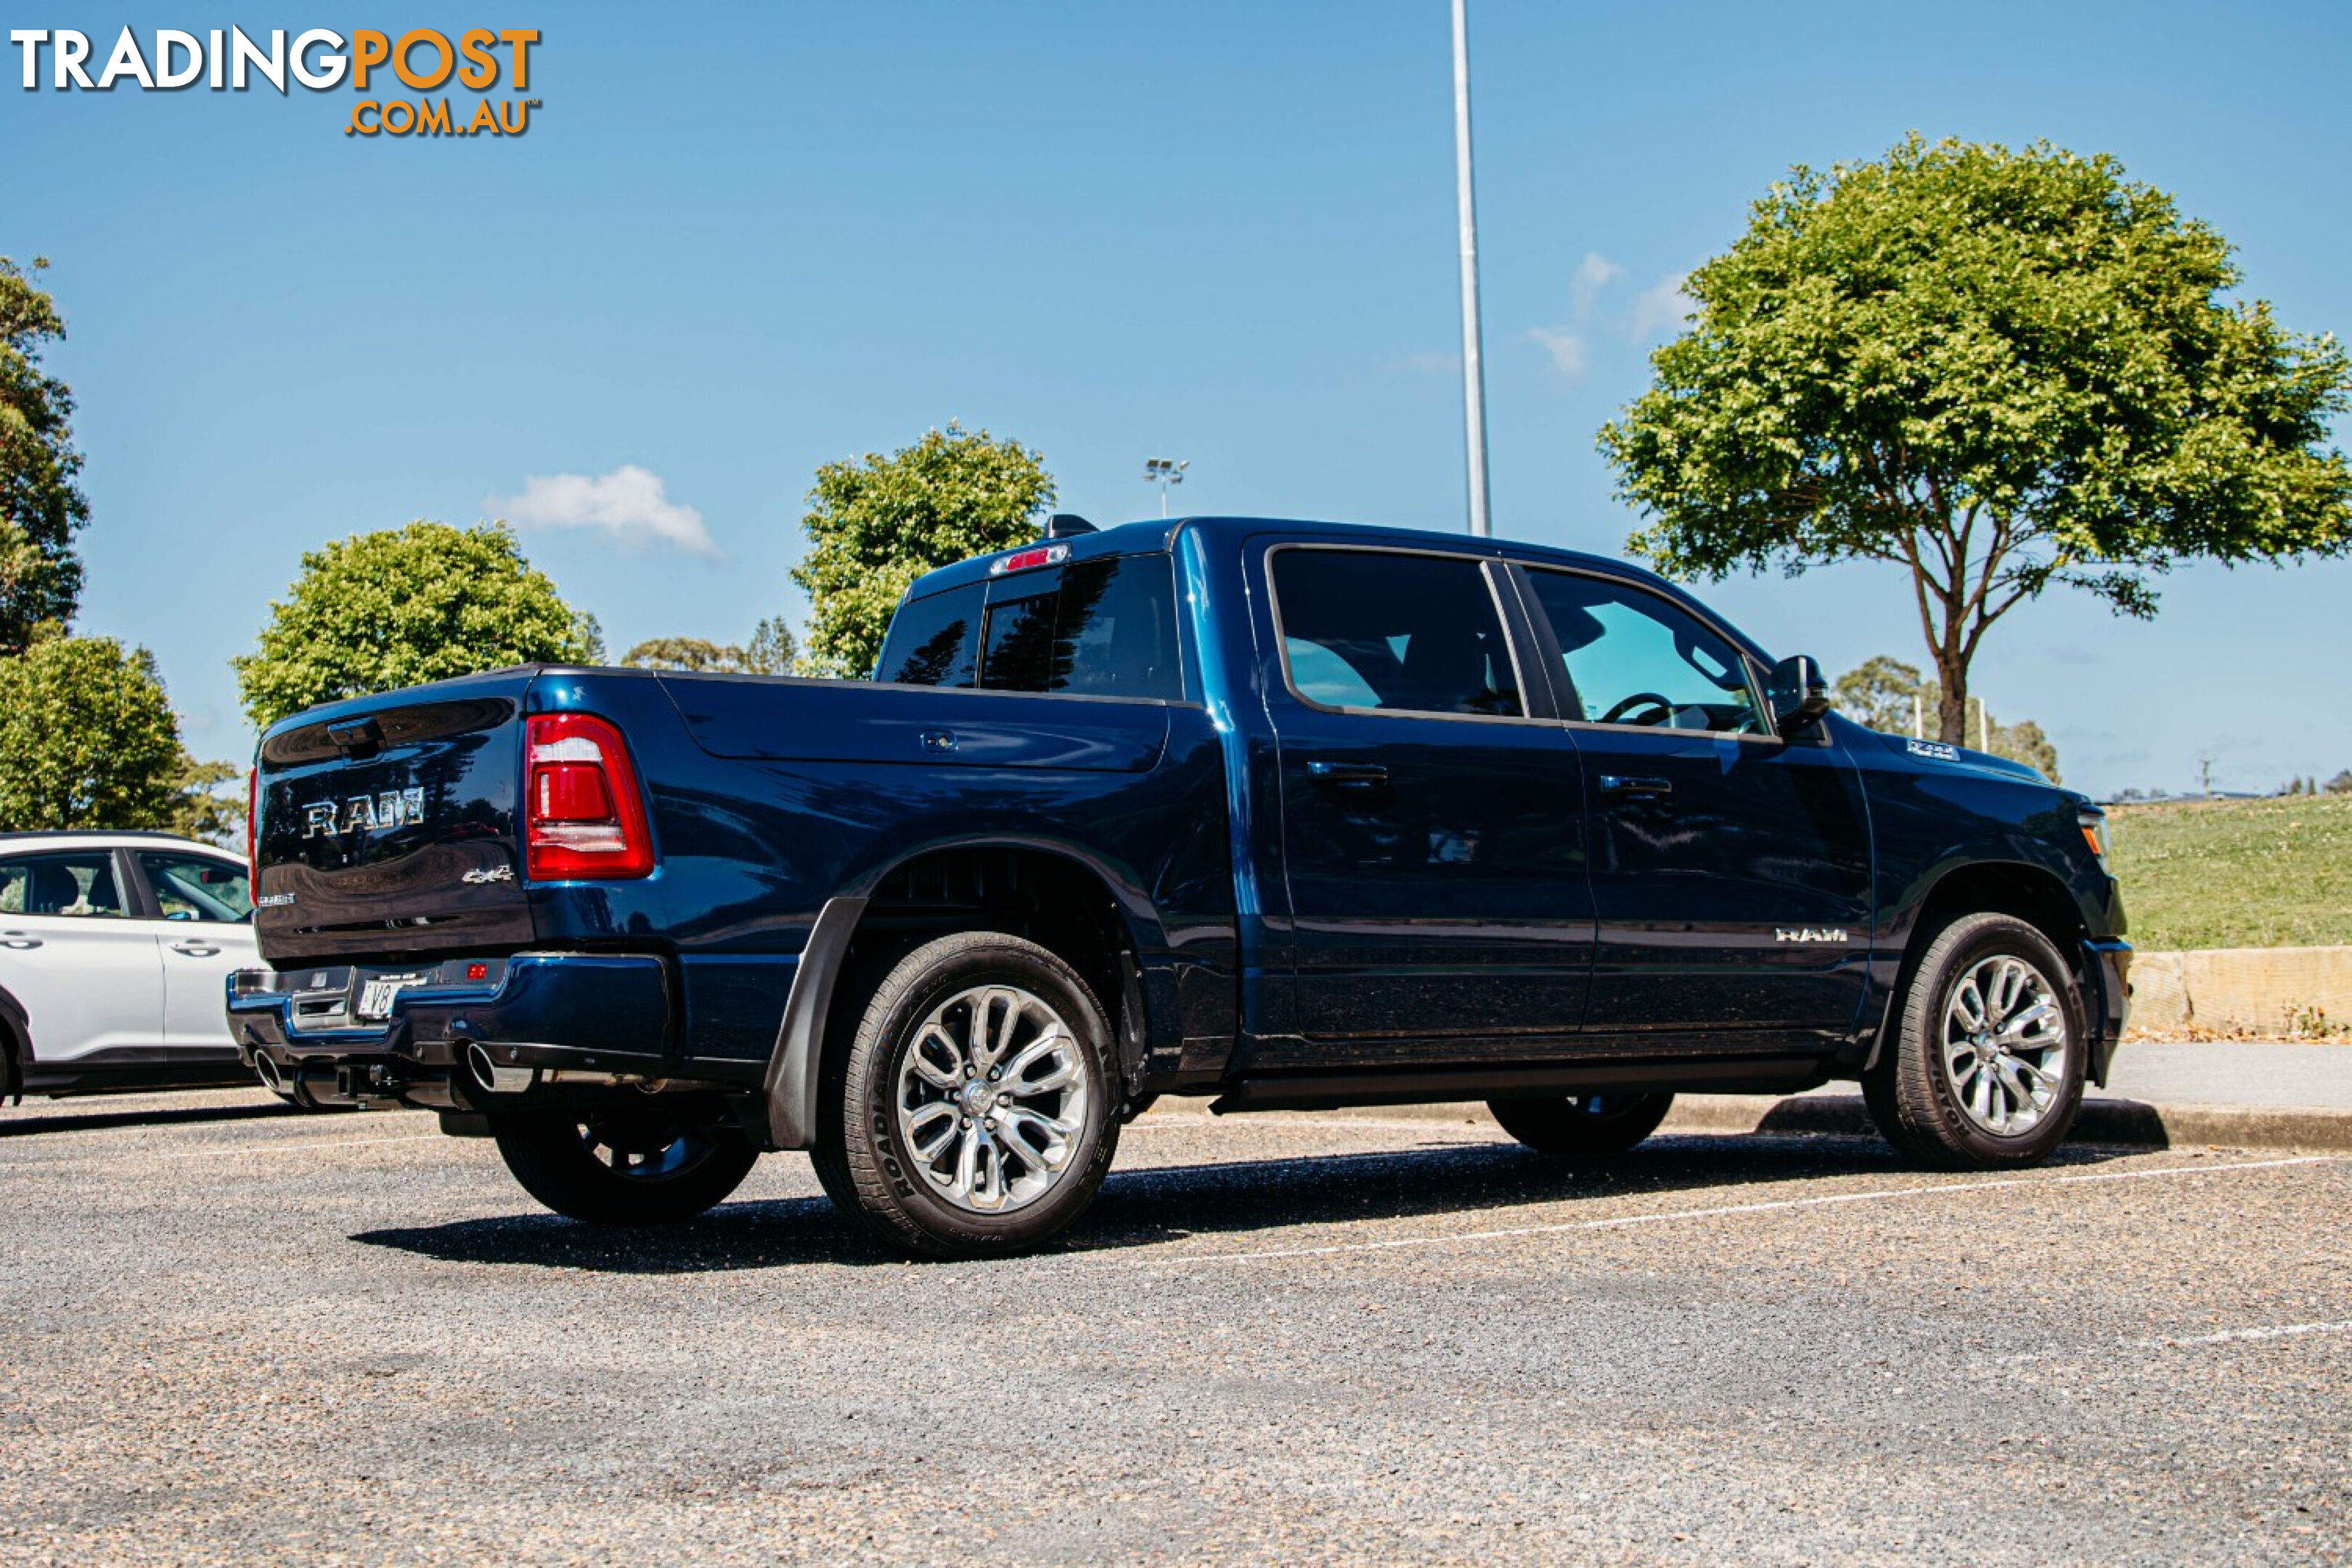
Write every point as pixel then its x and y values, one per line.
pixel 234 1334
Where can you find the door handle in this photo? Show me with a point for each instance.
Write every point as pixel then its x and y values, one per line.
pixel 195 949
pixel 18 941
pixel 1348 775
pixel 1622 785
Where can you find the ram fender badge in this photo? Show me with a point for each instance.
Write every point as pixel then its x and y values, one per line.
pixel 1808 933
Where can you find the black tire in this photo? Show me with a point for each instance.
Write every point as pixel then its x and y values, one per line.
pixel 628 1165
pixel 1584 1126
pixel 1930 1109
pixel 880 1101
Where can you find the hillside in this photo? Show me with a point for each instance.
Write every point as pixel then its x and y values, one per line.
pixel 2236 873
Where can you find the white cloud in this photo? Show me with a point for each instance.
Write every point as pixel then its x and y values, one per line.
pixel 1593 274
pixel 628 504
pixel 1566 343
pixel 1663 305
pixel 1566 348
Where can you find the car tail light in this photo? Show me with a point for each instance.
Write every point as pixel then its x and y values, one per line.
pixel 253 832
pixel 582 815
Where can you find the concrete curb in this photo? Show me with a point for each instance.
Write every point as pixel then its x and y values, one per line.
pixel 2102 1121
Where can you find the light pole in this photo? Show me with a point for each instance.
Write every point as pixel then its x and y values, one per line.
pixel 1164 472
pixel 1474 374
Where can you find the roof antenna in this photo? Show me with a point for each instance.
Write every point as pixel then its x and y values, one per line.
pixel 1068 525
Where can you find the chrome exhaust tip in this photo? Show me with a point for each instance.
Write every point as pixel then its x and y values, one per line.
pixel 266 1070
pixel 494 1078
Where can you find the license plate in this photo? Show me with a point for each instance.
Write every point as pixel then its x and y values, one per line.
pixel 375 997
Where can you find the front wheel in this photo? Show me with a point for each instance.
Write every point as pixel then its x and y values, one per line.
pixel 629 1166
pixel 1984 1070
pixel 1585 1126
pixel 977 1109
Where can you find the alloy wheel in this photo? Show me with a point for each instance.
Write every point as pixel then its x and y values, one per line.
pixel 993 1099
pixel 2005 1044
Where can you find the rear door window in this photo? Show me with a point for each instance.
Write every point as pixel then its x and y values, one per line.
pixel 1394 631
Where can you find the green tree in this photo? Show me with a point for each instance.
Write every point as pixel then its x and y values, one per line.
pixel 771 650
pixel 40 506
pixel 427 601
pixel 199 809
pixel 1880 693
pixel 878 523
pixel 87 737
pixel 683 653
pixel 1883 693
pixel 2002 371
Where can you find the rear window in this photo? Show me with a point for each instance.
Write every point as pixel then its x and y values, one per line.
pixel 933 640
pixel 1104 628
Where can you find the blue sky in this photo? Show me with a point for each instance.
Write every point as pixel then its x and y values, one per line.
pixel 740 241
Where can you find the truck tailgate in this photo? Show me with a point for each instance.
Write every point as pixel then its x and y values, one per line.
pixel 388 825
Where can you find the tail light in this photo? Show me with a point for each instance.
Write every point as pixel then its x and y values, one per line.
pixel 253 832
pixel 582 815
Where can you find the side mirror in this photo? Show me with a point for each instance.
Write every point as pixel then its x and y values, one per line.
pixel 1799 695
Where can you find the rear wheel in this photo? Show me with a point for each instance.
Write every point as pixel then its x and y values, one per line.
pixel 1590 1126
pixel 976 1111
pixel 1984 1070
pixel 628 1165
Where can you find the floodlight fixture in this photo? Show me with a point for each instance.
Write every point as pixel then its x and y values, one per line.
pixel 1165 472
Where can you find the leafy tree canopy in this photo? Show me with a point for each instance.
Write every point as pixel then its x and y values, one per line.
pixel 771 650
pixel 87 739
pixel 399 608
pixel 40 506
pixel 1886 695
pixel 878 523
pixel 200 808
pixel 2001 370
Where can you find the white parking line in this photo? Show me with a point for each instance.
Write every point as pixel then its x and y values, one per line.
pixel 2077 1353
pixel 2234 1336
pixel 1196 1122
pixel 1775 1206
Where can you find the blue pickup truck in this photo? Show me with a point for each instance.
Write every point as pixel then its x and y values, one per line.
pixel 1291 814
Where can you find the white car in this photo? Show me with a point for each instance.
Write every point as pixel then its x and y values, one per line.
pixel 115 953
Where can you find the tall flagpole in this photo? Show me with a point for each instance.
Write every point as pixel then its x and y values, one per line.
pixel 1474 374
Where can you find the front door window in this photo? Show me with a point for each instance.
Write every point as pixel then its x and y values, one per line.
pixel 1634 657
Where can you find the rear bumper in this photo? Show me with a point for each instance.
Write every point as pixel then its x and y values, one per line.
pixel 536 1016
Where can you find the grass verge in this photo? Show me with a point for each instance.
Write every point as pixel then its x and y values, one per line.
pixel 2235 873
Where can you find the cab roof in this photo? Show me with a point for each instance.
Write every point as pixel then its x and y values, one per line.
pixel 1161 534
